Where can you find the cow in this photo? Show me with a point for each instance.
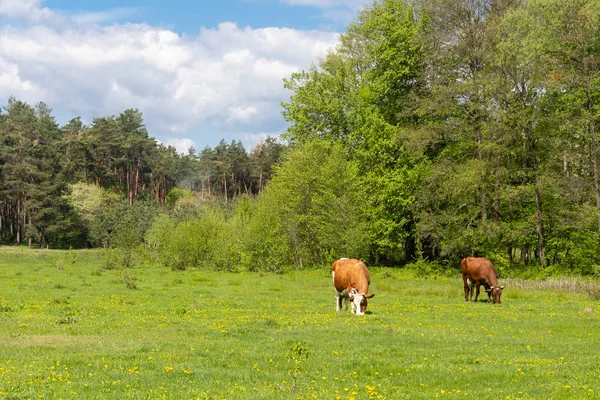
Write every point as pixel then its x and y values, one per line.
pixel 351 280
pixel 477 271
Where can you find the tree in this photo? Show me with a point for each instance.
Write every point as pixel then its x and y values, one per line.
pixel 358 96
pixel 263 157
pixel 311 211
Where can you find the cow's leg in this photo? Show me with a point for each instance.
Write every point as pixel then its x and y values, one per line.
pixel 352 293
pixel 346 299
pixel 477 285
pixel 466 283
pixel 472 287
pixel 338 301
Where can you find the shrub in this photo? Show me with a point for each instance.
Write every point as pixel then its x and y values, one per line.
pixel 423 268
pixel 130 281
pixel 210 240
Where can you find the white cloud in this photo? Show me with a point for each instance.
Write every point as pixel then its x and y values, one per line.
pixel 28 9
pixel 182 145
pixel 252 139
pixel 333 10
pixel 228 78
pixel 114 14
pixel 241 113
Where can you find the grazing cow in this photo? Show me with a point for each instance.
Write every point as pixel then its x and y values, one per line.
pixel 477 271
pixel 351 279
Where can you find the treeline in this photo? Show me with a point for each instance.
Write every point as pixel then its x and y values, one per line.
pixel 436 129
pixel 40 162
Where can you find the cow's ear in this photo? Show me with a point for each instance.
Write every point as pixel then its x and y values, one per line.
pixel 368 296
pixel 491 288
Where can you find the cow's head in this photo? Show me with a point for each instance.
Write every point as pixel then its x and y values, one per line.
pixel 359 301
pixel 496 292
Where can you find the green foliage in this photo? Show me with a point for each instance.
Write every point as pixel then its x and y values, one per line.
pixel 175 194
pixel 130 280
pixel 109 259
pixel 298 353
pixel 424 269
pixel 208 238
pixel 312 206
pixel 358 97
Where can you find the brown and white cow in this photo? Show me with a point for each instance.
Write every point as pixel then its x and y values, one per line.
pixel 477 271
pixel 351 279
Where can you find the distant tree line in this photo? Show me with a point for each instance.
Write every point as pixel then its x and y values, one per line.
pixel 41 161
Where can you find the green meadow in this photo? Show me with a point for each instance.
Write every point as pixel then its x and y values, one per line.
pixel 72 330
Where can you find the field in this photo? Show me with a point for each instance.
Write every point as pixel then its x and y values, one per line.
pixel 71 330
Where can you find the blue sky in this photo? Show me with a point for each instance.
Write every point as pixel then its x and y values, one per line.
pixel 199 71
pixel 185 16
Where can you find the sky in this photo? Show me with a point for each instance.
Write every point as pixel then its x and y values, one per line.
pixel 200 71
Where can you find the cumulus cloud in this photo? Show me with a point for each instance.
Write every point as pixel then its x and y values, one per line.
pixel 227 77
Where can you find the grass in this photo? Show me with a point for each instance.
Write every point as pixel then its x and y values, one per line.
pixel 81 332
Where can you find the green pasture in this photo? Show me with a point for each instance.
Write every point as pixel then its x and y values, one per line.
pixel 71 330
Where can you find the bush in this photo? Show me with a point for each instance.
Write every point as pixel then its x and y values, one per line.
pixel 130 281
pixel 210 240
pixel 109 259
pixel 422 268
pixel 117 258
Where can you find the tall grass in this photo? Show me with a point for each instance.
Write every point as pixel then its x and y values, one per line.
pixel 562 284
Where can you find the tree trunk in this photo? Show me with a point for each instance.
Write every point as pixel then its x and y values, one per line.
pixel 137 179
pixel 18 221
pixel 482 189
pixel 592 129
pixel 538 226
pixel 497 192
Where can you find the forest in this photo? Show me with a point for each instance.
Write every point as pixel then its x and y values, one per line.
pixel 436 129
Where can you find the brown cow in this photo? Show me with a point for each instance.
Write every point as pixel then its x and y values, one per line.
pixel 351 279
pixel 479 271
